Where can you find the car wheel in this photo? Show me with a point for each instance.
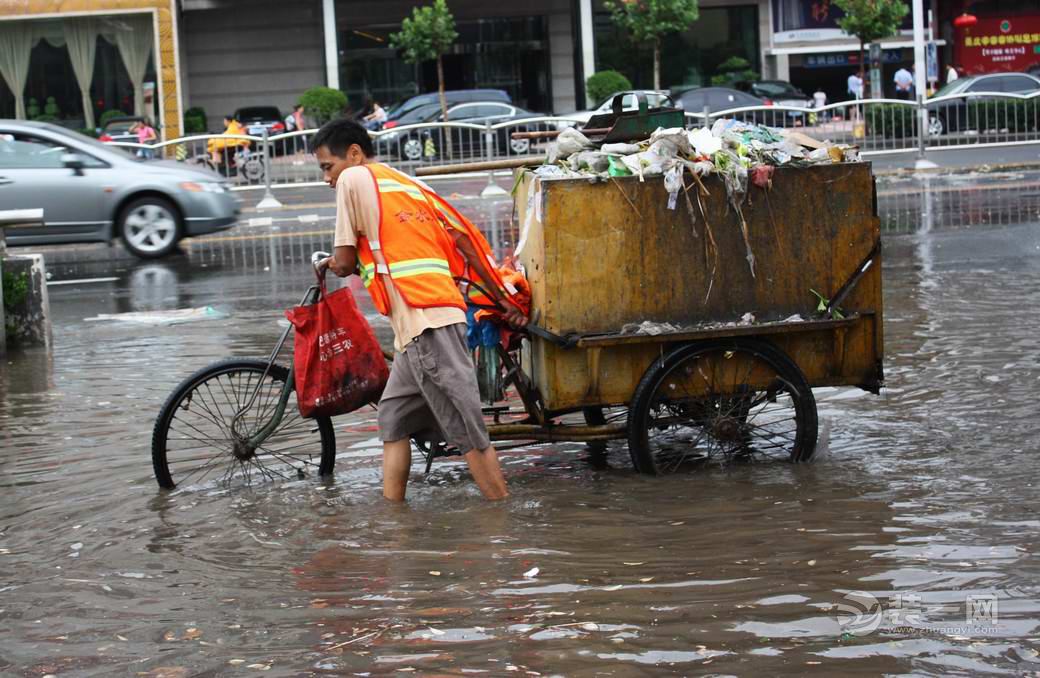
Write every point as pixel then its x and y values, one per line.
pixel 936 125
pixel 412 149
pixel 149 227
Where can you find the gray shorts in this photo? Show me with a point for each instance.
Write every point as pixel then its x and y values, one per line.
pixel 433 384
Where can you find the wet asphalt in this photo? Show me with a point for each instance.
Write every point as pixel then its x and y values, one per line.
pixel 923 497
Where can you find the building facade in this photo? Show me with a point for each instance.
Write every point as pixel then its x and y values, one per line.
pixel 71 60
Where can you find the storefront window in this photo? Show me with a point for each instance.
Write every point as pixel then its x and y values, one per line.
pixel 508 53
pixel 688 59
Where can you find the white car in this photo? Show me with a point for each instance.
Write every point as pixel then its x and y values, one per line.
pixel 654 99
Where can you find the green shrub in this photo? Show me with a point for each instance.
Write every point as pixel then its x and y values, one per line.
pixel 732 71
pixel 894 121
pixel 195 120
pixel 601 85
pixel 33 109
pixel 323 103
pixel 51 107
pixel 46 117
pixel 108 115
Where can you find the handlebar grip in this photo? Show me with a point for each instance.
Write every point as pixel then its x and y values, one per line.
pixel 317 257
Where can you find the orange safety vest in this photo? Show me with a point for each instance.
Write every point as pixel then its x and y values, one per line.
pixel 420 253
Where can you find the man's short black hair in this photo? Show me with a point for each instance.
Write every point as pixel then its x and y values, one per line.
pixel 338 135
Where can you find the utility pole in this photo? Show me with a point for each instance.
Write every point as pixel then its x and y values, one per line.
pixel 920 66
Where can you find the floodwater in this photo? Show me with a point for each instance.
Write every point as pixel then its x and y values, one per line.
pixel 923 498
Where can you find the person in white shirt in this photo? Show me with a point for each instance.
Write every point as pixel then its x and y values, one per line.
pixel 855 86
pixel 819 101
pixel 951 74
pixel 904 81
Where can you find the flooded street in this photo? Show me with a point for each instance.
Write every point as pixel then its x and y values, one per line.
pixel 925 498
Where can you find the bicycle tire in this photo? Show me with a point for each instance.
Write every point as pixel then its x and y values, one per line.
pixel 206 387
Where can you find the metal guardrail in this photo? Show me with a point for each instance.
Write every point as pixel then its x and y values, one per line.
pixel 876 126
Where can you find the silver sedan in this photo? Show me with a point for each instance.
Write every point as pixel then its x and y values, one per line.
pixel 92 192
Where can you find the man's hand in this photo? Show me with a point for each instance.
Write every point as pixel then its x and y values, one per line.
pixel 513 315
pixel 323 265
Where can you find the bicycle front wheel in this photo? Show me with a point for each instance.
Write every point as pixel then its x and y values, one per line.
pixel 196 441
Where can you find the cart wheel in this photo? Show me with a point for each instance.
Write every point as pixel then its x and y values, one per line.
pixel 721 401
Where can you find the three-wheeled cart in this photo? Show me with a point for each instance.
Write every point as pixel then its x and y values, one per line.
pixel 693 328
pixel 697 331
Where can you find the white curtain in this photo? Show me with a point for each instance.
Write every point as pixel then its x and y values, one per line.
pixel 135 46
pixel 81 41
pixel 16 43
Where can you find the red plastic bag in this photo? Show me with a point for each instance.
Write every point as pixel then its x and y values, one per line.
pixel 338 362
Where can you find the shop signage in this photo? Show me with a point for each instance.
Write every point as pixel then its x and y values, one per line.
pixel 999 44
pixel 888 56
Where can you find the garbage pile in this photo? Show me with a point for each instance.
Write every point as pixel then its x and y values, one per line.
pixel 731 148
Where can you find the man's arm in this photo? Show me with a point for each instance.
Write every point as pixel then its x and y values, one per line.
pixel 479 263
pixel 343 261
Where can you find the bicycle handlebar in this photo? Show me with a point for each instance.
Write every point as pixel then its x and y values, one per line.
pixel 316 259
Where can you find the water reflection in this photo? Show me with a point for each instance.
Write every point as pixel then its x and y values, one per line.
pixel 926 496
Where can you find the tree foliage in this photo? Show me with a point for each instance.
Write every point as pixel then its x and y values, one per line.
pixel 426 36
pixel 649 20
pixel 871 20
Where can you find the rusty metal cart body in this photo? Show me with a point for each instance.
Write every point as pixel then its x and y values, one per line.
pixel 702 380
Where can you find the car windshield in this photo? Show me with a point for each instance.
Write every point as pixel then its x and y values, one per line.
pixel 258 113
pixel 775 89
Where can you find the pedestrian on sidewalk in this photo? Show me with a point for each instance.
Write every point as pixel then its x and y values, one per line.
pixel 819 101
pixel 855 86
pixel 145 135
pixel 407 243
pixel 904 81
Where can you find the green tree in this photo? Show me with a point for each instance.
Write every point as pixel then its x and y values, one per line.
pixel 426 36
pixel 649 20
pixel 870 21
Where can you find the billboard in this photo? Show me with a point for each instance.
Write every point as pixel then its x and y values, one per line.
pixel 998 44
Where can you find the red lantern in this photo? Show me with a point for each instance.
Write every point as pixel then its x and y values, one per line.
pixel 965 20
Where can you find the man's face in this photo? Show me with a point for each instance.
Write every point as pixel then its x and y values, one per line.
pixel 333 165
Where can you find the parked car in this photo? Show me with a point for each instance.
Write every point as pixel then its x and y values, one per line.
pixel 778 93
pixel 454 96
pixel 654 99
pixel 93 192
pixel 118 129
pixel 425 143
pixel 960 114
pixel 256 119
pixel 716 99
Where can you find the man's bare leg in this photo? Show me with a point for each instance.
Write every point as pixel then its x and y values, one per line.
pixel 483 465
pixel 397 462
